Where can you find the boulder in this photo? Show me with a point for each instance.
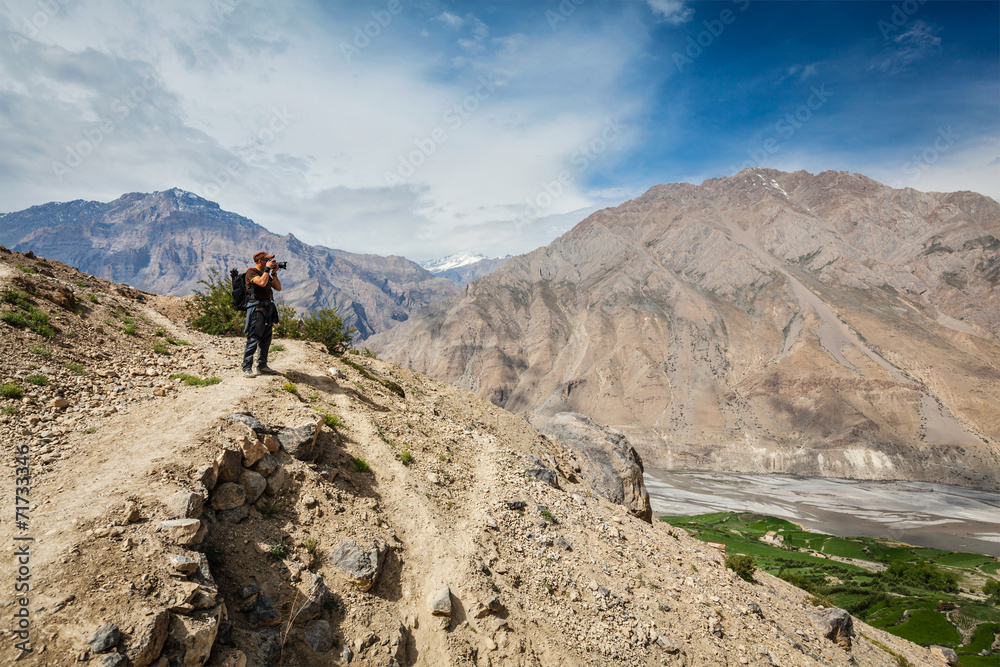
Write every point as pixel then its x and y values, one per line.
pixel 228 496
pixel 104 638
pixel 315 593
pixel 439 602
pixel 836 625
pixel 264 613
pixel 182 564
pixel 190 638
pixel 148 638
pixel 945 653
pixel 185 505
pixel 608 463
pixel 271 444
pixel 230 463
pixel 236 515
pixel 253 449
pixel 249 420
pixel 208 475
pixel 276 481
pixel 359 566
pixel 320 636
pixel 253 484
pixel 184 532
pixel 266 465
pixel 112 660
pixel 544 475
pixel 300 441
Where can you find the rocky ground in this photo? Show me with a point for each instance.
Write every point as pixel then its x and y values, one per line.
pixel 317 517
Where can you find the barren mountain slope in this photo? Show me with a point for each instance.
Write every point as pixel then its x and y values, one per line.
pixel 115 448
pixel 166 242
pixel 768 322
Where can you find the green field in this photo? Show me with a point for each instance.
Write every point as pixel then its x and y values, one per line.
pixel 914 594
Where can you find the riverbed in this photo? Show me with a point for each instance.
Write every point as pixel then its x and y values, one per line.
pixel 919 513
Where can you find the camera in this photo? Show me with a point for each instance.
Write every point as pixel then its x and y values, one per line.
pixel 282 265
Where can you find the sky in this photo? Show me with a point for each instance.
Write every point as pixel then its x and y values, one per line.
pixel 428 127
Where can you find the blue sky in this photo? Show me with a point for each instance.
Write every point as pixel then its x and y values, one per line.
pixel 426 127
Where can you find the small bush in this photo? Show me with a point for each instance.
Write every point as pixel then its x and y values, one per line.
pixel 11 390
pixel 290 387
pixel 194 380
pixel 159 331
pixel 177 341
pixel 37 379
pixel 370 354
pixel 270 510
pixel 40 350
pixel 278 348
pixel 333 421
pixel 326 327
pixel 160 347
pixel 88 431
pixel 27 269
pixel 548 516
pixel 9 410
pixel 92 298
pixel 213 307
pixel 289 325
pixel 742 565
pixel 129 329
pixel 406 456
pixel 15 298
pixel 360 465
pixel 15 319
pixel 276 551
pixel 310 544
pixel 79 283
pixel 992 591
pixel 75 368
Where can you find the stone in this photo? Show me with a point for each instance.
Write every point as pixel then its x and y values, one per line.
pixel 185 505
pixel 754 608
pixel 314 596
pixel 253 485
pixel 439 602
pixel 263 612
pixel 301 441
pixel 515 504
pixel 238 515
pixel 359 566
pixel 208 475
pixel 228 496
pixel 266 465
pixel 230 463
pixel 347 654
pixel 276 481
pixel 544 475
pixel 609 464
pixel 132 513
pixel 105 637
pixel 664 642
pixel 235 659
pixel 148 638
pixel 249 420
pixel 184 532
pixel 309 501
pixel 945 653
pixel 190 638
pixel 271 444
pixel 183 564
pixel 112 660
pixel 270 647
pixel 253 449
pixel 836 625
pixel 561 543
pixel 59 403
pixel 320 636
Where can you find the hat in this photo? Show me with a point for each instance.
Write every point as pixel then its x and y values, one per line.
pixel 262 255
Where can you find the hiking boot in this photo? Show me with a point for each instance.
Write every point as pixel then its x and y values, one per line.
pixel 248 372
pixel 266 370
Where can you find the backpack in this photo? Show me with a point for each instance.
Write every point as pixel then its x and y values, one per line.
pixel 239 289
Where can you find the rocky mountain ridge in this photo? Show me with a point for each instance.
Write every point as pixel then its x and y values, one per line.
pixel 768 322
pixel 319 517
pixel 463 268
pixel 166 242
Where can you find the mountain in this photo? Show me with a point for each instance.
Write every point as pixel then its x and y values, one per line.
pixel 463 268
pixel 767 322
pixel 166 242
pixel 217 519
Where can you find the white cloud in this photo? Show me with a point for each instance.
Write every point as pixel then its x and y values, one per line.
pixel 671 11
pixel 909 47
pixel 450 20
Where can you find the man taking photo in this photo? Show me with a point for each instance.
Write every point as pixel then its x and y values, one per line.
pixel 262 314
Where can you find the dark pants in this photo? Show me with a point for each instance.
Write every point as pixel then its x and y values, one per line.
pixel 258 336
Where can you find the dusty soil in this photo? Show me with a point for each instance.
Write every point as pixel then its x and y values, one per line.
pixel 579 581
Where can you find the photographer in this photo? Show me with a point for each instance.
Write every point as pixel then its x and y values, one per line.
pixel 262 314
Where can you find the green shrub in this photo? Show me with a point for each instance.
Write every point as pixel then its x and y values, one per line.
pixel 388 384
pixel 27 269
pixel 79 283
pixel 922 574
pixel 333 421
pixel 270 510
pixel 370 354
pixel 548 516
pixel 310 544
pixel 278 348
pixel 992 591
pixel 11 390
pixel 129 329
pixel 75 368
pixel 194 380
pixel 326 327
pixel 289 325
pixel 38 321
pixel 40 350
pixel 406 456
pixel 159 331
pixel 276 551
pixel 92 298
pixel 15 319
pixel 213 307
pixel 9 410
pixel 160 347
pixel 37 379
pixel 742 565
pixel 360 465
pixel 16 298
pixel 177 341
pixel 290 387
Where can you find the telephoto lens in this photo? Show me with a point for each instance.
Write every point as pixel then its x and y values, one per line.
pixel 282 265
